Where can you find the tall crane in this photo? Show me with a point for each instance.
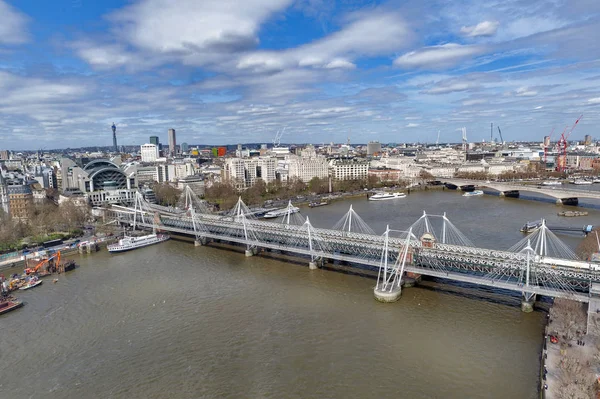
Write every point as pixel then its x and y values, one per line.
pixel 562 146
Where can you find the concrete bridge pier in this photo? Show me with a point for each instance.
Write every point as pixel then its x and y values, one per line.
pixel 200 242
pixel 387 295
pixel 527 301
pixel 567 201
pixel 251 252
pixel 510 194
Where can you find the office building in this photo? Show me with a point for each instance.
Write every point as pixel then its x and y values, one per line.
pixel 172 142
pixel 154 140
pixel 245 172
pixel 149 152
pixel 587 140
pixel 349 169
pixel 4 155
pixel 373 148
pixel 21 200
pixel 184 147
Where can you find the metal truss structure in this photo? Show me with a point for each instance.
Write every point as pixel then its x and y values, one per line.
pixel 393 253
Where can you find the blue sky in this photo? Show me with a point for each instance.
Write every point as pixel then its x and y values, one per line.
pixel 225 71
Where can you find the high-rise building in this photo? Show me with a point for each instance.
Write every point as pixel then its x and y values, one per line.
pixel 184 147
pixel 154 140
pixel 4 199
pixel 373 147
pixel 4 155
pixel 546 141
pixel 21 200
pixel 149 152
pixel 172 142
pixel 587 140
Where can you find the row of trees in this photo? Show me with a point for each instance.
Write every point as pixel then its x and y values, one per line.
pixel 225 194
pixel 46 221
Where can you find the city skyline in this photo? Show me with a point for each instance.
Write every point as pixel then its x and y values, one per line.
pixel 223 72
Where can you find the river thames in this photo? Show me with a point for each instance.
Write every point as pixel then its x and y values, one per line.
pixel 179 321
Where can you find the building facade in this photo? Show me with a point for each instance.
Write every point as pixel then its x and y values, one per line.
pixel 308 166
pixel 21 200
pixel 172 142
pixel 149 152
pixel 244 173
pixel 349 168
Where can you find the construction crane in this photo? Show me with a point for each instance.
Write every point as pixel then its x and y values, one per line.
pixel 562 147
pixel 55 264
pixel 500 133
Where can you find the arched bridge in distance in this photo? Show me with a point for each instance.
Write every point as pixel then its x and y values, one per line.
pixel 562 196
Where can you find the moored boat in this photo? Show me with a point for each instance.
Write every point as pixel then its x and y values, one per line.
pixel 317 204
pixel 34 282
pixel 582 182
pixel 281 212
pixel 530 227
pixel 551 183
pixel 473 193
pixel 7 305
pixel 128 243
pixel 386 196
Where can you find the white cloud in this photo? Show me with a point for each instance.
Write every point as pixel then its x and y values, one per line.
pixel 595 100
pixel 12 25
pixel 539 107
pixel 485 28
pixel 437 57
pixel 451 87
pixel 477 101
pixel 366 34
pixel 412 125
pixel 340 63
pixel 525 92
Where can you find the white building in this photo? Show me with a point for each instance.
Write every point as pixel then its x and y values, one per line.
pixel 349 168
pixel 4 199
pixel 149 152
pixel 245 172
pixel 308 166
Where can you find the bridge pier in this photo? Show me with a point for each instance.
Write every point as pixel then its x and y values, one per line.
pixel 387 295
pixel 510 194
pixel 249 253
pixel 567 201
pixel 200 242
pixel 527 303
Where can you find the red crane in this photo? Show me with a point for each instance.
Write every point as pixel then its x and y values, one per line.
pixel 563 144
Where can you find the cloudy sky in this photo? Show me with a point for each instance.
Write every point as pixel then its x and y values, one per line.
pixel 229 71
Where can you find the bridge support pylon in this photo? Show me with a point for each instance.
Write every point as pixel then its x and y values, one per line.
pixel 567 201
pixel 527 302
pixel 200 241
pixel 388 295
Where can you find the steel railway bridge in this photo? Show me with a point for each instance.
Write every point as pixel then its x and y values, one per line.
pixel 432 246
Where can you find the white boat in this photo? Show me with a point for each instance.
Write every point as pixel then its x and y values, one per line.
pixel 281 212
pixel 386 196
pixel 582 182
pixel 473 193
pixel 127 243
pixel 551 183
pixel 31 284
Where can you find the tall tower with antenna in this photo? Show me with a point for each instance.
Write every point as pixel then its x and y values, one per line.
pixel 114 130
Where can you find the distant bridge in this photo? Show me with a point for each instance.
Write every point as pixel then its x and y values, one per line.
pixel 562 196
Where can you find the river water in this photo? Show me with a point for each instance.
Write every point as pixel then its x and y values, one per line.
pixel 179 321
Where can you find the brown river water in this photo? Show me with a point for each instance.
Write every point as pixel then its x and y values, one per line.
pixel 178 321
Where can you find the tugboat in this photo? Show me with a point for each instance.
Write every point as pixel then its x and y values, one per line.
pixel 530 227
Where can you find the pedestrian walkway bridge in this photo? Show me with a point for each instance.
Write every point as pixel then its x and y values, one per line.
pixel 432 246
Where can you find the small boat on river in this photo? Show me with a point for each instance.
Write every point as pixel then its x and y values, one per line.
pixel 473 193
pixel 32 283
pixel 530 227
pixel 317 204
pixel 7 305
pixel 128 243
